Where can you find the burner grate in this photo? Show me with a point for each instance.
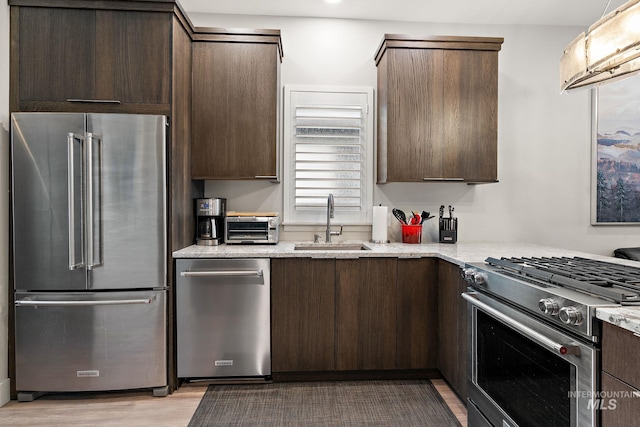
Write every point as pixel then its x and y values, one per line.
pixel 619 283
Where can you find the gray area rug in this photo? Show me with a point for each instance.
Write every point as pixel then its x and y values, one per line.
pixel 333 403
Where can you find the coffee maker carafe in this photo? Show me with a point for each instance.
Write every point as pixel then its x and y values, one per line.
pixel 210 221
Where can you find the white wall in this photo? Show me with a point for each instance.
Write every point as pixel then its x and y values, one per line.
pixel 4 198
pixel 544 138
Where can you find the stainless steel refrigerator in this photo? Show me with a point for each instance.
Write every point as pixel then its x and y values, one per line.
pixel 89 245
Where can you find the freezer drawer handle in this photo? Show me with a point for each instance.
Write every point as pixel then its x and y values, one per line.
pixel 50 303
pixel 549 344
pixel 257 273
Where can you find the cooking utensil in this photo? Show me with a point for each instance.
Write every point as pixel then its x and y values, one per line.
pixel 425 216
pixel 400 216
pixel 415 218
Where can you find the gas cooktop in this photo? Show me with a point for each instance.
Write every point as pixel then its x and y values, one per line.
pixel 563 291
pixel 614 282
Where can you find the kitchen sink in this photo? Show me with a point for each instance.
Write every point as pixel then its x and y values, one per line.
pixel 342 246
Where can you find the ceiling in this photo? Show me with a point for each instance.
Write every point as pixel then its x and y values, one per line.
pixel 508 12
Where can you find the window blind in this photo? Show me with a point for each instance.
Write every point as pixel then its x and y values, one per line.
pixel 329 156
pixel 328 145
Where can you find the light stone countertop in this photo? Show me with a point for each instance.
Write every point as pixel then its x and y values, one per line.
pixel 458 253
pixel 624 317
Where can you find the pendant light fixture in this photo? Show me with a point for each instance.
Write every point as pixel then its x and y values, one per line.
pixel 609 50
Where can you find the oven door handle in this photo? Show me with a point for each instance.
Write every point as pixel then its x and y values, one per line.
pixel 549 344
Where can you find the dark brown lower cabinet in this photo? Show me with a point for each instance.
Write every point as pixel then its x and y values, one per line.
pixel 366 313
pixel 417 314
pixel 302 314
pixel 620 377
pixel 354 318
pixel 620 407
pixel 452 327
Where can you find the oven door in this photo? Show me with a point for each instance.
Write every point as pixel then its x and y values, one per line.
pixel 523 372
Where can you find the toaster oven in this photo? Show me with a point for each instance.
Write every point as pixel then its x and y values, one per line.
pixel 249 228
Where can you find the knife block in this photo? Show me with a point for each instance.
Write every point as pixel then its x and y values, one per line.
pixel 448 230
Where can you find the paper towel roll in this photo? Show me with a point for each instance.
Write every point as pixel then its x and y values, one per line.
pixel 379 225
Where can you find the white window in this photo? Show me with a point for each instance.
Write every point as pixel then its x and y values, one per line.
pixel 328 148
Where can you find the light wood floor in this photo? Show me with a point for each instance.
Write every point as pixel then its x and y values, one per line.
pixel 133 409
pixel 458 408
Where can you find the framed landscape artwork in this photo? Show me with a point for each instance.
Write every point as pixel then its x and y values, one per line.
pixel 615 189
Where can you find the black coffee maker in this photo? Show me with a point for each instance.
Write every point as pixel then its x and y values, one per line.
pixel 210 221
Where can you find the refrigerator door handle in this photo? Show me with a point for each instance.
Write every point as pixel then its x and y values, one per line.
pixel 54 303
pixel 71 198
pixel 93 199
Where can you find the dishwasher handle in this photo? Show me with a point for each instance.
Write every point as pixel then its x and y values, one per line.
pixel 222 273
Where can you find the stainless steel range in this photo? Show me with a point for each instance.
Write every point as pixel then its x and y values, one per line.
pixel 534 356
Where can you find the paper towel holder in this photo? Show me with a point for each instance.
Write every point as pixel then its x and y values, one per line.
pixel 382 226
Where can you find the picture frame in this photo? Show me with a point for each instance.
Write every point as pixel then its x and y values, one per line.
pixel 615 169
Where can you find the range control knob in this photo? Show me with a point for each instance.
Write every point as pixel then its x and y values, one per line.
pixel 570 316
pixel 479 278
pixel 548 306
pixel 468 273
pixel 473 276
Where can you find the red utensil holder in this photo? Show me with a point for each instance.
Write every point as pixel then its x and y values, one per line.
pixel 411 233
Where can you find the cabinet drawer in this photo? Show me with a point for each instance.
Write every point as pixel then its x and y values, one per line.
pixel 620 348
pixel 620 405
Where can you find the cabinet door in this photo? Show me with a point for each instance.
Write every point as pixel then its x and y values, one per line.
pixel 133 51
pixel 437 109
pixel 91 56
pixel 56 53
pixel 235 110
pixel 366 313
pixel 452 327
pixel 302 314
pixel 414 114
pixel 417 315
pixel 470 115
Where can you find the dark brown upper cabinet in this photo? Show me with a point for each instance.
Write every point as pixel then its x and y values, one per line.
pixel 91 58
pixel 437 108
pixel 236 104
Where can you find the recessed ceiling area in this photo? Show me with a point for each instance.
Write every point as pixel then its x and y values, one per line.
pixel 500 12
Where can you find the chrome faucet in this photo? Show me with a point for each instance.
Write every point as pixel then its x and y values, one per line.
pixel 330 208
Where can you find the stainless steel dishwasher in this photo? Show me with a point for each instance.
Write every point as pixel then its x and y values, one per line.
pixel 223 318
